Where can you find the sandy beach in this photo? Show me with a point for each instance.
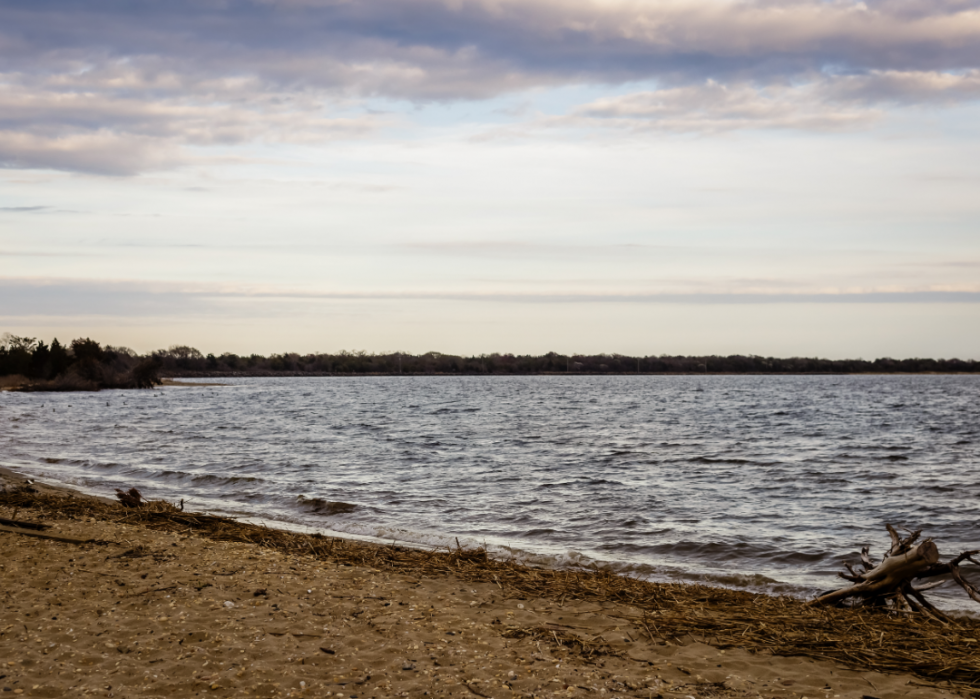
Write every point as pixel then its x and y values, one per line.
pixel 143 611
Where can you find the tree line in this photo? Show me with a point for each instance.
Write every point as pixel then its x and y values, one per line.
pixel 87 362
pixel 187 361
pixel 82 365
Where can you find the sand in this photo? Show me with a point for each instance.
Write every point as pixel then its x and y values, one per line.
pixel 146 613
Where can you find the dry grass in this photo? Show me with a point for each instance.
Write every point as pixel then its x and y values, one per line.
pixel 862 638
pixel 12 381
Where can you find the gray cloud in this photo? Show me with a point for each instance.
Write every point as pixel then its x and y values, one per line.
pixel 326 41
pixel 330 42
pixel 107 132
pixel 36 253
pixel 101 152
pixel 73 298
pixel 118 88
pixel 512 249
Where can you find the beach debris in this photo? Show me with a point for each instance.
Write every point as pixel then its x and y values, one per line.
pixel 130 498
pixel 36 526
pixel 893 581
pixel 469 685
pixel 39 535
pixel 867 637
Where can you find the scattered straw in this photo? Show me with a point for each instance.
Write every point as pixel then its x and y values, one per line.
pixel 861 638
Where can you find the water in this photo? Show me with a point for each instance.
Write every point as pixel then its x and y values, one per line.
pixel 765 483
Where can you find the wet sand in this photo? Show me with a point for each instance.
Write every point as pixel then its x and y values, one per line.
pixel 145 613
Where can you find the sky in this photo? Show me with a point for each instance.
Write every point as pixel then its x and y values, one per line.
pixel 471 176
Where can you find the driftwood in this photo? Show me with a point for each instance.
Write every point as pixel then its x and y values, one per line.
pixel 893 581
pixel 130 498
pixel 39 535
pixel 37 526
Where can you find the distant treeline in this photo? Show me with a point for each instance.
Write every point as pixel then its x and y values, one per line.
pixel 97 366
pixel 187 361
pixel 83 365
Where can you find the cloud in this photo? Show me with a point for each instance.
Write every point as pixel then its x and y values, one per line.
pixel 824 103
pixel 379 43
pixel 101 152
pixel 713 107
pixel 24 209
pixel 36 253
pixel 22 298
pixel 513 249
pixel 119 88
pixel 118 134
pixel 909 87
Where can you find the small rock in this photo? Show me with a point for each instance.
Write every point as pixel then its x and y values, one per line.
pixel 229 604
pixel 735 684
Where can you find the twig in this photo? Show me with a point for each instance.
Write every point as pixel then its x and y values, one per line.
pixel 147 592
pixel 466 683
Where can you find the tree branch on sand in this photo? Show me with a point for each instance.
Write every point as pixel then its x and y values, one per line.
pixel 896 581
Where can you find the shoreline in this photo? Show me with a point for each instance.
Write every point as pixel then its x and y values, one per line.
pixel 192 379
pixel 166 590
pixel 324 374
pixel 12 480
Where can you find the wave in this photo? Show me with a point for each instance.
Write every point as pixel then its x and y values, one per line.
pixel 326 508
pixel 209 478
pixel 600 481
pixel 605 480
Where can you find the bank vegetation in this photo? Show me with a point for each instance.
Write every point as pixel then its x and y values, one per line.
pixel 85 364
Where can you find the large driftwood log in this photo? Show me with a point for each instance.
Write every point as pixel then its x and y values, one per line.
pixel 890 574
pixel 892 581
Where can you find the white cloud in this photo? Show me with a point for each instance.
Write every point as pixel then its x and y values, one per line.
pixel 713 107
pixel 906 87
pixel 822 103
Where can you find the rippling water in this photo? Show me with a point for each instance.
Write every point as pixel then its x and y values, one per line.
pixel 761 482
